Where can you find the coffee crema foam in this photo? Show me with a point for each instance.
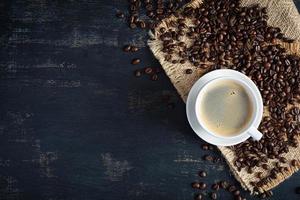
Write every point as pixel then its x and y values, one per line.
pixel 225 108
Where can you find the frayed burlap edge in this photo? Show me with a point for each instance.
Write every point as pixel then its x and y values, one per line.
pixel 282 14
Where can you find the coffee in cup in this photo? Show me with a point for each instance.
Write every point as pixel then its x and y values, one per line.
pixel 225 107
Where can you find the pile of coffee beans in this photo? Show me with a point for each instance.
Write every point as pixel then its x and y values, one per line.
pixel 222 34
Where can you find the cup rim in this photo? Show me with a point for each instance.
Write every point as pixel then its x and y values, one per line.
pixel 250 92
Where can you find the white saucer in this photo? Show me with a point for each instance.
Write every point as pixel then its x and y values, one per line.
pixel 191 101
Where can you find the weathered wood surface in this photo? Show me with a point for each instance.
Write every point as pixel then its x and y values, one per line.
pixel 76 124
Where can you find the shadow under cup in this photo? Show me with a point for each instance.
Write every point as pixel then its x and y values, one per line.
pixel 226 107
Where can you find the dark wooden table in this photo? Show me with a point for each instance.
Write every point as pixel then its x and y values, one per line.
pixel 76 124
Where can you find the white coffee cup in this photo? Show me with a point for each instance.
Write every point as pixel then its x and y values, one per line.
pixel 194 99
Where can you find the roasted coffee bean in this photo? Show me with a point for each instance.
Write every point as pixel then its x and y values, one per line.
pixel 238 198
pixel 135 61
pixel 138 73
pixel 236 193
pixel 154 77
pixel 259 175
pixel 213 196
pixel 232 188
pixel 198 197
pixel 202 174
pixel 283 159
pixel 195 185
pixel 202 185
pixel 215 186
pixel 265 166
pixel 148 70
pixel 294 163
pixel 205 146
pixel 134 49
pixel 132 25
pixel 188 71
pixel 142 24
pixel 208 158
pixel 120 15
pixel 224 184
pixel 127 48
pixel 269 193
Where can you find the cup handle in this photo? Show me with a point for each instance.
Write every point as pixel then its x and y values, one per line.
pixel 254 133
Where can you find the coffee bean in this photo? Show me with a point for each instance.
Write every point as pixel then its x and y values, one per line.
pixel 135 61
pixel 132 25
pixel 202 174
pixel 148 70
pixel 208 158
pixel 294 163
pixel 214 196
pixel 238 198
pixel 120 14
pixel 142 24
pixel 283 159
pixel 134 49
pixel 202 185
pixel 154 77
pixel 198 197
pixel 188 71
pixel 259 175
pixel 137 73
pixel 127 48
pixel 224 184
pixel 215 186
pixel 232 188
pixel 195 185
pixel 236 193
pixel 205 146
pixel 269 193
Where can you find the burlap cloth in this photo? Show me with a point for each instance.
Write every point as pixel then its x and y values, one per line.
pixel 282 14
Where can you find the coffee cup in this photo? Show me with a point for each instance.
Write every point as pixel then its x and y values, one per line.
pixel 224 107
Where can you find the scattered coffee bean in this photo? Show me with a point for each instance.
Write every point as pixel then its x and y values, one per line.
pixel 120 14
pixel 215 186
pixel 205 146
pixel 138 73
pixel 236 193
pixel 127 48
pixel 224 184
pixel 135 61
pixel 134 49
pixel 208 158
pixel 214 196
pixel 148 70
pixel 195 185
pixel 232 188
pixel 154 77
pixel 269 193
pixel 202 185
pixel 238 198
pixel 202 174
pixel 198 197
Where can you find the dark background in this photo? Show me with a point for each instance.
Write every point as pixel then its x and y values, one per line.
pixel 74 121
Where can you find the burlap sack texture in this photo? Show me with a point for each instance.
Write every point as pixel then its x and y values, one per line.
pixel 281 14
